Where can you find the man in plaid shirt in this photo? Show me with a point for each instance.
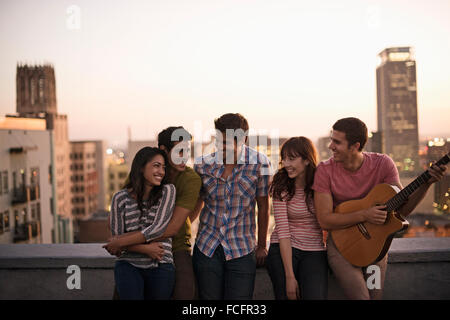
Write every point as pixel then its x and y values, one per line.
pixel 234 180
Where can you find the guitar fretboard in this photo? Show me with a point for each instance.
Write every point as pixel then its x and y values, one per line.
pixel 400 198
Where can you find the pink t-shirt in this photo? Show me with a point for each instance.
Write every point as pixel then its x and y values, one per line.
pixel 294 221
pixel 344 185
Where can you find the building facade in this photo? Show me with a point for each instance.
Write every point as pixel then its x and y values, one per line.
pixel 36 98
pixel 87 166
pixel 83 179
pixel 436 149
pixel 397 108
pixel 116 174
pixel 26 214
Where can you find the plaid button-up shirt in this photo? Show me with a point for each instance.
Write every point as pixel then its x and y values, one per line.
pixel 228 216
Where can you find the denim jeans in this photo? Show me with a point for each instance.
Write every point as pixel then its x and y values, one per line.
pixel 310 270
pixel 144 284
pixel 220 279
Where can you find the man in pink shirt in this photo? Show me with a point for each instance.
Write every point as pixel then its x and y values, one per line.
pixel 350 174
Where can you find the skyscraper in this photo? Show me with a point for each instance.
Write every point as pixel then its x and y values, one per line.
pixel 397 108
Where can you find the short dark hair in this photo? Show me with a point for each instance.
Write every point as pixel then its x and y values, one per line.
pixel 165 137
pixel 231 121
pixel 355 131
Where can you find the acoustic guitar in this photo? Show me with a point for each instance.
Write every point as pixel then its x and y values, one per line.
pixel 365 243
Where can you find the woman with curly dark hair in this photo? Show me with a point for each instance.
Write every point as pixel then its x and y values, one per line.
pixel 297 260
pixel 139 214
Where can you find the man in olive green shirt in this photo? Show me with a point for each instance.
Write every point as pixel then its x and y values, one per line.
pixel 187 183
pixel 175 141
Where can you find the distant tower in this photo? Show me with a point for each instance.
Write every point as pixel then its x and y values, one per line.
pixel 36 90
pixel 36 98
pixel 397 108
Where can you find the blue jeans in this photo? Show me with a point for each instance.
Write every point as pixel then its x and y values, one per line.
pixel 310 270
pixel 219 279
pixel 144 284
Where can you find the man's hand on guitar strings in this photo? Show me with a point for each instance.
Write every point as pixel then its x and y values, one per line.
pixel 376 214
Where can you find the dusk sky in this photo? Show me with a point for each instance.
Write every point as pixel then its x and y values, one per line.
pixel 294 66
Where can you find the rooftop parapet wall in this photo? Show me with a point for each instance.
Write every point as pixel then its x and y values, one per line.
pixel 419 268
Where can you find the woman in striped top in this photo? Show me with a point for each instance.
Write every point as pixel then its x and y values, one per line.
pixel 297 260
pixel 139 214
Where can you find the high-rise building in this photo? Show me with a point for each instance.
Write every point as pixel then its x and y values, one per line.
pixel 397 108
pixel 373 143
pixel 85 178
pixel 36 98
pixel 436 149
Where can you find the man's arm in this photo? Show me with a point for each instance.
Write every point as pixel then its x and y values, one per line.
pixel 179 217
pixel 117 243
pixel 185 200
pixel 263 225
pixel 152 232
pixel 328 220
pixel 323 203
pixel 198 208
pixel 437 173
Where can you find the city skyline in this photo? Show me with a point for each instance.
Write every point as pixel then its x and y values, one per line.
pixel 284 65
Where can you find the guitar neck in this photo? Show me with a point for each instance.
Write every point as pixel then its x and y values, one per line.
pixel 400 198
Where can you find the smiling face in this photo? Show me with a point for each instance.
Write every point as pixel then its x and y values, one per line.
pixel 154 171
pixel 294 166
pixel 342 152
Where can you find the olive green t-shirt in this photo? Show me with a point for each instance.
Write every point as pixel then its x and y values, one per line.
pixel 187 185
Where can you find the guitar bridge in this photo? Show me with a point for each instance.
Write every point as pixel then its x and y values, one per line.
pixel 364 231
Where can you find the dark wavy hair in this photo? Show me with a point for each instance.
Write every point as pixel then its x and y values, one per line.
pixel 136 181
pixel 283 187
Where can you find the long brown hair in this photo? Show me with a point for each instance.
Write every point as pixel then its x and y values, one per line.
pixel 283 187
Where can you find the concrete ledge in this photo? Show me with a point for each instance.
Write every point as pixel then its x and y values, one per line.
pixel 419 268
pixel 419 250
pixel 54 256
